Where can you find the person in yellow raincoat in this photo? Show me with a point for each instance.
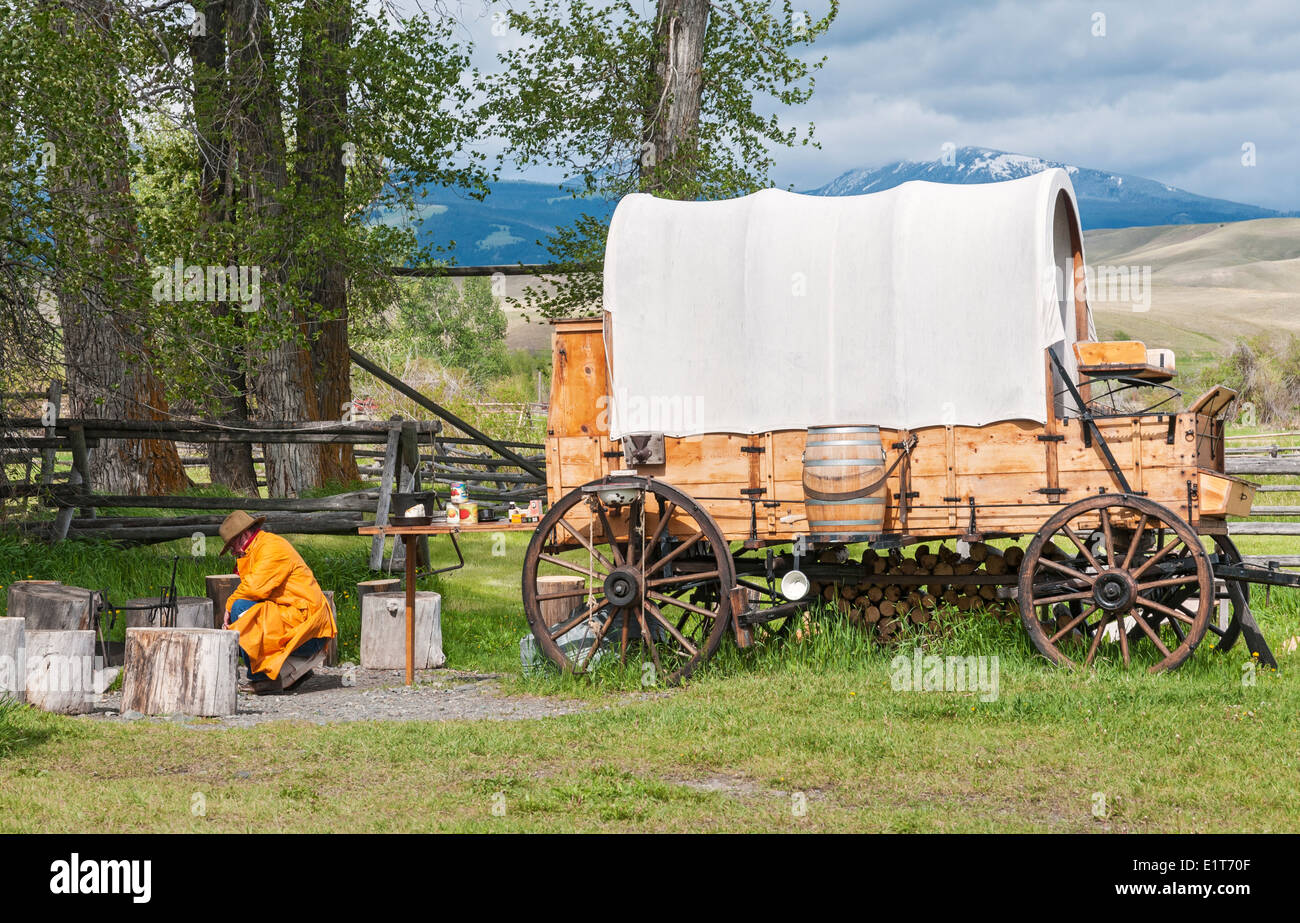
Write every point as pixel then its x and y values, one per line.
pixel 278 607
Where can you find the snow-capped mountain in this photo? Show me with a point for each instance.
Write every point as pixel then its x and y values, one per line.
pixel 1106 200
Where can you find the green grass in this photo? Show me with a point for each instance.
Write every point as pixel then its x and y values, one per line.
pixel 751 738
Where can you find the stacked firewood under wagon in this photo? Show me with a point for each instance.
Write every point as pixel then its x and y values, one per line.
pixel 925 589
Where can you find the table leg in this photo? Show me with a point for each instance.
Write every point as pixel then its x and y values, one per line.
pixel 410 608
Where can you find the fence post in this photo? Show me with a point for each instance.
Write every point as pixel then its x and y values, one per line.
pixel 48 454
pixel 385 496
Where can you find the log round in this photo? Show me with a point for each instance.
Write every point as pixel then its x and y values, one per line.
pixel 219 587
pixel 51 606
pixel 383 585
pixel 555 611
pixel 383 631
pixel 13 659
pixel 191 612
pixel 61 671
pixel 187 671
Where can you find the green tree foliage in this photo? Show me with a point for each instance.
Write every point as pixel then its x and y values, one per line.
pixel 463 327
pixel 588 90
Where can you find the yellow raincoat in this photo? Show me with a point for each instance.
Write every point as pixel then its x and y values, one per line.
pixel 291 608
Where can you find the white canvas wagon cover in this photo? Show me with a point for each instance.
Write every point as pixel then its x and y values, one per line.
pixel 922 305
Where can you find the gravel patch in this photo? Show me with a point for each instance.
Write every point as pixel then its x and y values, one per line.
pixel 337 694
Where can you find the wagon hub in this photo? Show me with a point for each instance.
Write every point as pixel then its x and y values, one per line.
pixel 623 586
pixel 1114 592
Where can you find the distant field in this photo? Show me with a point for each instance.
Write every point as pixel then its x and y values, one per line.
pixel 1210 284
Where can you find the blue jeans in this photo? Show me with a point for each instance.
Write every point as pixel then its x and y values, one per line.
pixel 306 649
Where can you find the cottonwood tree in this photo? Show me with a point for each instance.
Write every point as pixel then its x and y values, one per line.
pixel 668 100
pixel 63 64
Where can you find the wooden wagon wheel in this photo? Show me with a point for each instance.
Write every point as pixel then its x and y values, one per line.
pixel 660 592
pixel 1147 553
pixel 1238 595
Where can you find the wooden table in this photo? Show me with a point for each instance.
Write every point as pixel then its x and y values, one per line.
pixel 409 535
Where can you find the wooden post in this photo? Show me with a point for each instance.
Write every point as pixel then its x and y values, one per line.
pixel 386 641
pixel 741 598
pixel 332 645
pixel 13 659
pixel 78 478
pixel 51 432
pixel 60 673
pixel 385 496
pixel 188 671
pixel 220 586
pixel 410 609
pixel 50 606
pixel 191 612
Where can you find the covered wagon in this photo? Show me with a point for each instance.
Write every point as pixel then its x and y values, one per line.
pixel 785 391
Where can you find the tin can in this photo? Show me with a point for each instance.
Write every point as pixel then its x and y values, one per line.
pixel 534 510
pixel 469 512
pixel 453 513
pixel 459 492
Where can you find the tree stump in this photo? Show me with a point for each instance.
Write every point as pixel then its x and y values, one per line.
pixel 13 659
pixel 61 671
pixel 220 586
pixel 191 612
pixel 49 606
pixel 555 611
pixel 383 631
pixel 188 671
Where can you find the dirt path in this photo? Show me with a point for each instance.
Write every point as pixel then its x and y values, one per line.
pixel 334 694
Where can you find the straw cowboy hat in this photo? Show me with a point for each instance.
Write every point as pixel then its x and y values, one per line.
pixel 235 524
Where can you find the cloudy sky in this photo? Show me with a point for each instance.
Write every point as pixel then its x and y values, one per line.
pixel 1166 89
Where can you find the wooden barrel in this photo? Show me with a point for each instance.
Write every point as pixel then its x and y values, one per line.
pixel 840 465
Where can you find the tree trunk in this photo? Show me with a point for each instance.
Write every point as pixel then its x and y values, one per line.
pixel 282 384
pixel 229 464
pixel 322 126
pixel 668 152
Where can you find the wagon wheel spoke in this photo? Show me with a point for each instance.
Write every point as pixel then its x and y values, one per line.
pixel 1082 546
pixel 1064 597
pixel 1134 542
pixel 674 601
pixel 648 639
pixel 683 578
pixel 672 555
pixel 1069 626
pixel 1123 637
pixel 664 517
pixel 1068 571
pixel 1172 613
pixel 571 565
pixel 609 533
pixel 675 631
pixel 1170 581
pixel 634 531
pixel 1096 638
pixel 585 661
pixel 1110 538
pixel 587 543
pixel 565 627
pixel 1151 633
pixel 1156 558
